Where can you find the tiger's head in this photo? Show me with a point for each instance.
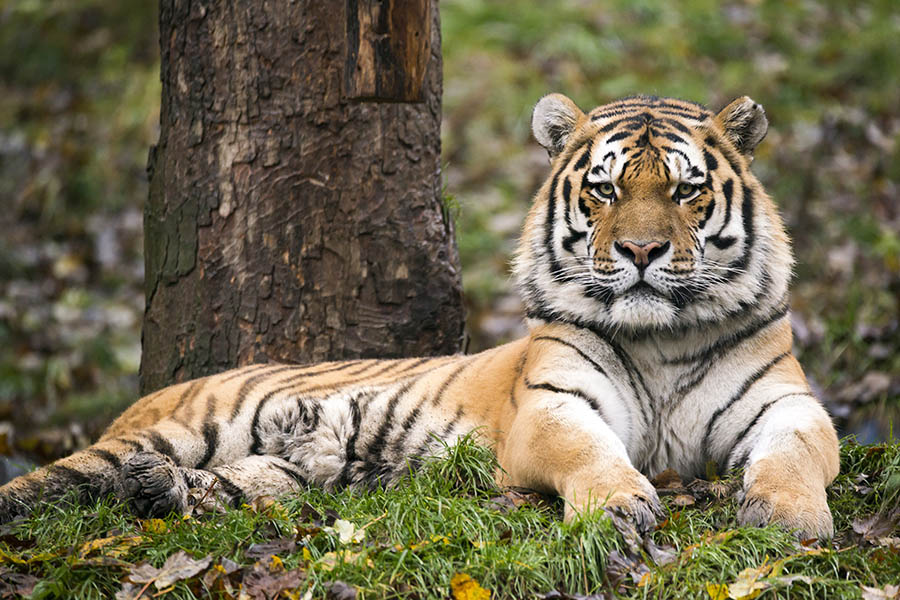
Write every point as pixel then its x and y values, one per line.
pixel 651 218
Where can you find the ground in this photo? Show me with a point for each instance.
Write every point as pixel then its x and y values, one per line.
pixel 448 531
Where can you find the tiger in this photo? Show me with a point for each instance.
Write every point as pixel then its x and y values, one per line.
pixel 653 270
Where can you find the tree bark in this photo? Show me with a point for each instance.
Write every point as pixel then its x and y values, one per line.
pixel 289 219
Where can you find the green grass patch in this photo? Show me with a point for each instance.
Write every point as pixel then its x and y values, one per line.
pixel 446 519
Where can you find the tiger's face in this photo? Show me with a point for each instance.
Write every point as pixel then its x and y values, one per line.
pixel 651 218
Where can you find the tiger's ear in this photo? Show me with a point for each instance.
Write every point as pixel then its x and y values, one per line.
pixel 744 122
pixel 553 121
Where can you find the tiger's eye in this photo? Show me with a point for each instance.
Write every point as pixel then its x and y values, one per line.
pixel 686 189
pixel 606 189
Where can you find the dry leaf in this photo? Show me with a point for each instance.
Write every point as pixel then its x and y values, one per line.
pixel 279 546
pixel 464 587
pixel 683 500
pixel 888 592
pixel 748 585
pixel 332 559
pixel 177 567
pixel 667 480
pixel 261 584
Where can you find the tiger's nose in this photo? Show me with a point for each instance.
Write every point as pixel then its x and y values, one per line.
pixel 641 254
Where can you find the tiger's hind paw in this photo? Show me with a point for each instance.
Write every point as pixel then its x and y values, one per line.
pixel 154 485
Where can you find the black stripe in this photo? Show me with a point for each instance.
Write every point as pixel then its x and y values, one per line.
pixel 520 367
pixel 136 446
pixel 350 455
pixel 711 163
pixel 237 494
pixel 709 209
pixel 549 228
pixel 69 475
pixel 569 240
pixel 161 444
pixel 592 402
pixel 248 386
pixel 756 376
pixel 617 136
pixel 293 474
pixel 670 136
pixel 244 371
pixel 726 343
pixel 106 456
pixel 406 428
pixel 765 407
pixel 376 447
pixel 749 231
pixel 190 393
pixel 632 371
pixel 585 157
pixel 211 439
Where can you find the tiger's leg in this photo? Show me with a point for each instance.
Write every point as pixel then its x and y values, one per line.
pixel 560 444
pixel 90 474
pixel 156 486
pixel 790 454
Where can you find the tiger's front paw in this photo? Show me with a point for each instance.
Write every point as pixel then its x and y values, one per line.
pixel 804 510
pixel 154 485
pixel 632 497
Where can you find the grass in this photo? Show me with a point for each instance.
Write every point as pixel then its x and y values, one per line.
pixel 445 520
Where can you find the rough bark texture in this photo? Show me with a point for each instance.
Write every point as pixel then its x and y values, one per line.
pixel 286 220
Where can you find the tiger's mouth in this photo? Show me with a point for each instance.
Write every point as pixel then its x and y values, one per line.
pixel 643 288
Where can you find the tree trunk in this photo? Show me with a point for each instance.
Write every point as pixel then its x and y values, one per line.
pixel 295 209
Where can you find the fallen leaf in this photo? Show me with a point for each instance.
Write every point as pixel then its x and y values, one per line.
pixel 280 546
pixel 464 587
pixel 16 585
pixel 330 560
pixel 717 591
pixel 132 591
pixel 114 546
pixel 888 592
pixel 217 579
pixel 348 532
pixel 620 565
pixel 558 595
pixel 683 500
pixel 177 567
pixel 748 585
pixel 154 526
pixel 667 480
pixel 875 527
pixel 261 584
pixel 515 498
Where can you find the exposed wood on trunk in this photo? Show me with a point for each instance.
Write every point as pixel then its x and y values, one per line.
pixel 388 46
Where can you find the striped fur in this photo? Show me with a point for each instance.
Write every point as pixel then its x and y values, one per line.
pixel 629 368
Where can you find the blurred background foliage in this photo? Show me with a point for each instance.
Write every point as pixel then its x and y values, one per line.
pixel 79 105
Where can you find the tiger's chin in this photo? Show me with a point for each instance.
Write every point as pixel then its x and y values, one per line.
pixel 640 309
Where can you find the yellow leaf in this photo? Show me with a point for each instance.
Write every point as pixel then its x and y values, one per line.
pixel 717 591
pixel 307 555
pixel 277 564
pixel 747 585
pixel 115 546
pixel 154 526
pixel 332 559
pixel 466 588
pixel 646 578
